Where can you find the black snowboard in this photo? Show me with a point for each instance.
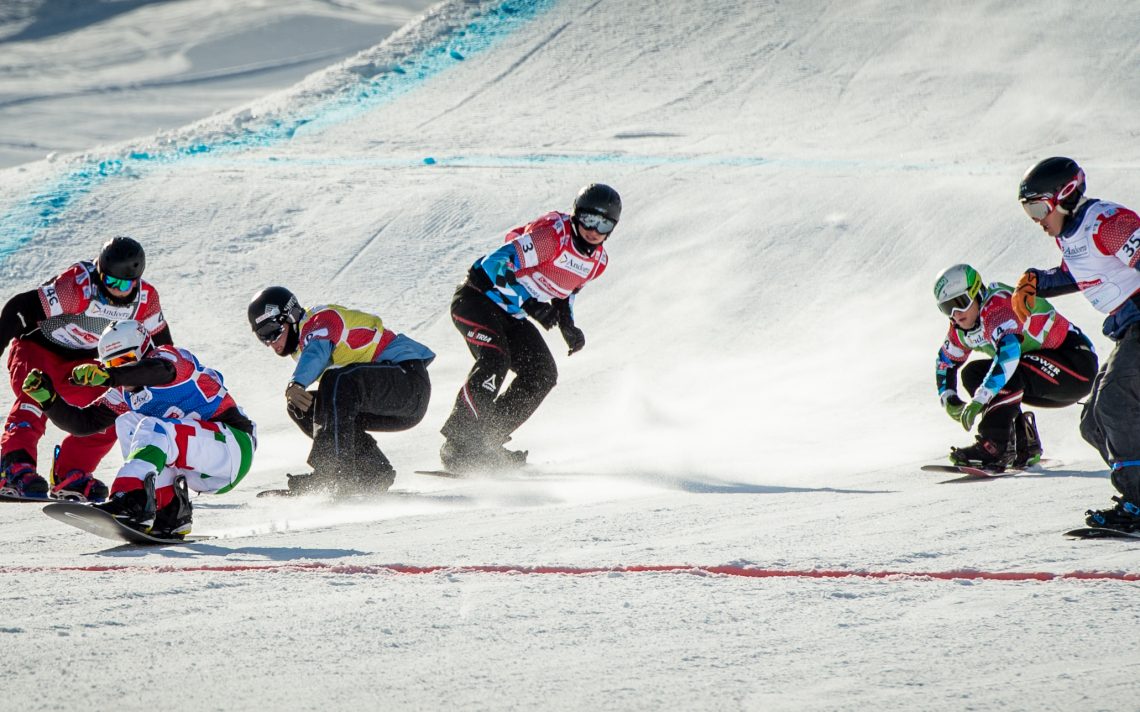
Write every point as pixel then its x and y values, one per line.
pixel 97 522
pixel 17 498
pixel 441 473
pixel 1101 533
pixel 285 492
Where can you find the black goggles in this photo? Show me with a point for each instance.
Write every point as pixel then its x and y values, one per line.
pixel 269 331
pixel 961 302
pixel 598 223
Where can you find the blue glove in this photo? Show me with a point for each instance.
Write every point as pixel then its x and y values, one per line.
pixel 970 413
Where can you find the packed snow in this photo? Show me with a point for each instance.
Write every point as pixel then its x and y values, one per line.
pixel 725 508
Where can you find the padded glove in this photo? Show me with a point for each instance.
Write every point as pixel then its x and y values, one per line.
pixel 1025 296
pixel 574 337
pixel 297 397
pixel 90 374
pixel 970 413
pixel 37 385
pixel 953 405
pixel 542 312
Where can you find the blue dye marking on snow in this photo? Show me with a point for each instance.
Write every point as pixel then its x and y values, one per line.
pixel 47 207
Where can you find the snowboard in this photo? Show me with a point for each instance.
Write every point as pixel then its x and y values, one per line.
pixel 97 522
pixel 441 473
pixel 288 493
pixel 971 473
pixel 4 497
pixel 1101 533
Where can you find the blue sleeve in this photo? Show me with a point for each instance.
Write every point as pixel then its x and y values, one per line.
pixel 500 265
pixel 314 359
pixel 1054 282
pixel 1005 363
pixel 499 268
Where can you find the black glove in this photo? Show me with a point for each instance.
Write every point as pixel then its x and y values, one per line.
pixel 574 337
pixel 542 312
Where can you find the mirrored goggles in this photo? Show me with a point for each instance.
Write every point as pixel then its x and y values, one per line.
pixel 961 302
pixel 123 285
pixel 121 359
pixel 1038 209
pixel 598 223
pixel 269 331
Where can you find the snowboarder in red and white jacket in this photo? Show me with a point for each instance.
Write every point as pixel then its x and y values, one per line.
pixel 55 328
pixel 536 274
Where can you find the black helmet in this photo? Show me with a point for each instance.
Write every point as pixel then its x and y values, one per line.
pixel 271 310
pixel 598 199
pixel 1056 181
pixel 121 257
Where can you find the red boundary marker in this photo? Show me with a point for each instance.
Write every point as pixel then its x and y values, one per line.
pixel 739 571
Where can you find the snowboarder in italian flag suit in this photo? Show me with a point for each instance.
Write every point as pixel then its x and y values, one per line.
pixel 537 273
pixel 1042 360
pixel 177 425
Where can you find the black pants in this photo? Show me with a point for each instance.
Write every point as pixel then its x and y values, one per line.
pixel 355 400
pixel 1050 378
pixel 500 343
pixel 1110 421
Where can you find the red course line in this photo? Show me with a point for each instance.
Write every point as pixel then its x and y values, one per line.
pixel 740 571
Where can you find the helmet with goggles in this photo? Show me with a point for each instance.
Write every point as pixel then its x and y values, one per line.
pixel 272 311
pixel 956 288
pixel 1051 183
pixel 597 207
pixel 119 268
pixel 123 342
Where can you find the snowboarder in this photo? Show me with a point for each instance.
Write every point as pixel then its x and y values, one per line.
pixel 370 379
pixel 536 274
pixel 1042 360
pixel 1100 247
pixel 55 328
pixel 176 423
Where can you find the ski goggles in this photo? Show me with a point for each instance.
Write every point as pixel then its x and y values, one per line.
pixel 1039 206
pixel 598 223
pixel 269 331
pixel 123 285
pixel 1038 209
pixel 961 302
pixel 121 359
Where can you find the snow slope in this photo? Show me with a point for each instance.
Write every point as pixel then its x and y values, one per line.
pixel 755 397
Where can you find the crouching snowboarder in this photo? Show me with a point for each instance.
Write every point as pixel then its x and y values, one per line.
pixel 176 423
pixel 369 379
pixel 1043 360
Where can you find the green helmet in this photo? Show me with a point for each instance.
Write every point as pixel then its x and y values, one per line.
pixel 956 288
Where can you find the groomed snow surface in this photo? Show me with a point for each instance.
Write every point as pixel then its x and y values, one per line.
pixel 725 509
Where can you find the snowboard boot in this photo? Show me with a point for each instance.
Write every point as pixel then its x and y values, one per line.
pixel 461 460
pixel 1125 516
pixel 20 479
pixel 134 508
pixel 983 453
pixel 1024 434
pixel 79 486
pixel 309 483
pixel 372 480
pixel 173 521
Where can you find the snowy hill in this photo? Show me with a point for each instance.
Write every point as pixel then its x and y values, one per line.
pixel 756 393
